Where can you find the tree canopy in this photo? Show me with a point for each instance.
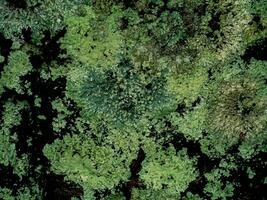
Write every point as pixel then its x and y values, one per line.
pixel 133 100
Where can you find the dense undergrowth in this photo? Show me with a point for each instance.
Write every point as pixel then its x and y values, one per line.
pixel 133 100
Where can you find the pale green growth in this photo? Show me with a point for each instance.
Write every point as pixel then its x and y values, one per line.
pixel 148 194
pixel 17 67
pixel 94 165
pixel 167 170
pixel 41 117
pixel 221 34
pixel 234 25
pixel 93 41
pixel 187 83
pixel 192 123
pixel 44 74
pixel 8 155
pixel 144 77
pixel 60 121
pixel 57 71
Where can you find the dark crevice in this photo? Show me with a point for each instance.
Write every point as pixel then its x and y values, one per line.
pixel 13 181
pixel 17 4
pixel 210 74
pixel 26 35
pixel 56 188
pixel 36 61
pixel 201 10
pixel 247 188
pixel 129 3
pixel 214 25
pixel 178 141
pixel 256 51
pixel 196 103
pixel 8 178
pixel 124 23
pixel 181 108
pixel 193 150
pixel 35 132
pixel 204 165
pixel 40 130
pixel 257 20
pixel 134 181
pixel 196 187
pixel 50 46
pixel 5 48
pixel 25 134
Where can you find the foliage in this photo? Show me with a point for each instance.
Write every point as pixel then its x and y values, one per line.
pixel 159 24
pixel 251 147
pixel 8 155
pixel 216 145
pixel 37 16
pixel 215 186
pixel 237 104
pixel 258 30
pixel 17 67
pixel 60 122
pixel 115 197
pixel 187 83
pixel 190 196
pixel 139 194
pixel 91 40
pixel 140 100
pixel 192 123
pixel 167 170
pixel 122 93
pixel 89 164
pixel 223 28
pixel 31 193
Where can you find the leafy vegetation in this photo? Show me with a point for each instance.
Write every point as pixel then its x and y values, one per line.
pixel 133 100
